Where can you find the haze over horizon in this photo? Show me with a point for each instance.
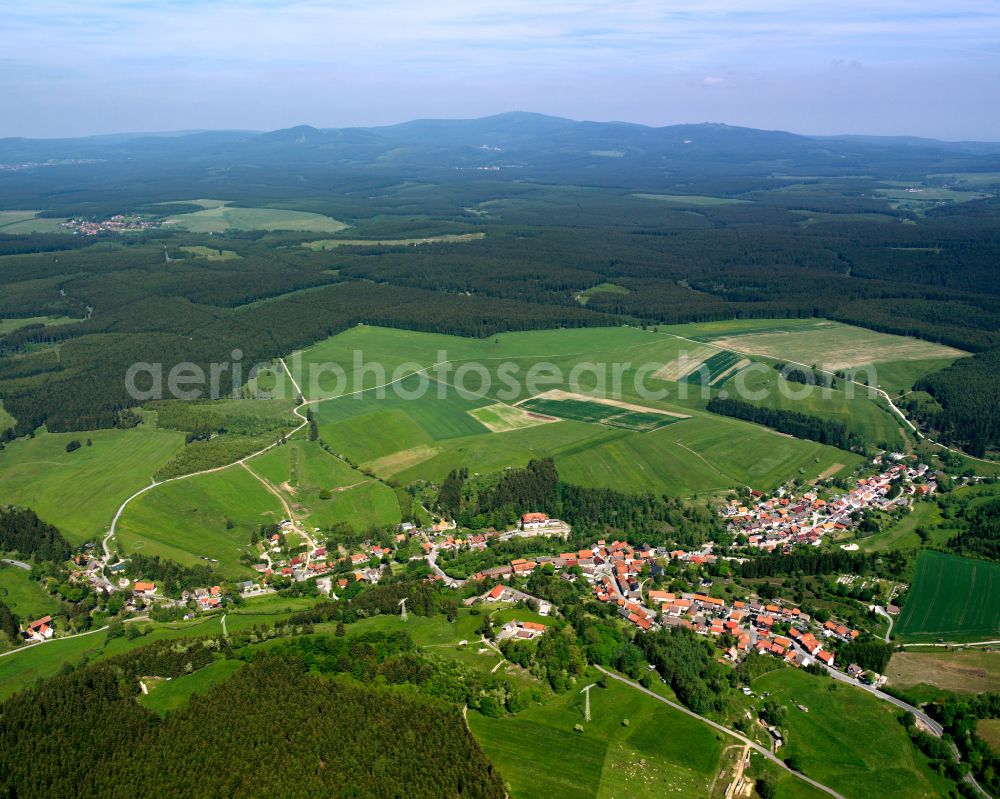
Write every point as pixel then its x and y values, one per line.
pixel 105 66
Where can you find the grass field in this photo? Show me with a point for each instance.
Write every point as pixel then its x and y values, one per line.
pixel 921 198
pixel 187 520
pixel 661 752
pixel 600 413
pixel 332 244
pixel 6 420
pixel 860 413
pixel 220 218
pixel 427 437
pixel 80 491
pixel 601 288
pixel 167 695
pixel 24 596
pixel 45 660
pixel 502 418
pixel 6 325
pixel 830 345
pixel 849 740
pixel 903 534
pixel 302 469
pixel 965 671
pixel 954 598
pixel 989 731
pixel 23 222
pixel 211 253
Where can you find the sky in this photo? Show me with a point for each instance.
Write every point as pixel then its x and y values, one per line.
pixel 886 67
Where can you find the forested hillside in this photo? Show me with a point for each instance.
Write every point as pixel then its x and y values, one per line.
pixel 692 223
pixel 271 729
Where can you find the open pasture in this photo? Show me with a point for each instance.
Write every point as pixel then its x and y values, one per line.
pixel 80 491
pixel 6 325
pixel 409 434
pixel 831 345
pixel 661 752
pixel 198 520
pixel 951 598
pixel 849 739
pixel 19 223
pixel 966 671
pixel 501 418
pixel 167 695
pixel 323 490
pixel 210 253
pixel 220 218
pixel 847 403
pixel 25 597
pixel 600 413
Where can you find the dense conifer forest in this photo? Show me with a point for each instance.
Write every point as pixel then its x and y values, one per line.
pixel 274 728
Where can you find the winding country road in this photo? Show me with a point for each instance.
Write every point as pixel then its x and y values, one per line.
pixel 741 738
pixel 241 461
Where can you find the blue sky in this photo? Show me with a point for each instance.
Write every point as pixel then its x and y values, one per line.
pixel 97 66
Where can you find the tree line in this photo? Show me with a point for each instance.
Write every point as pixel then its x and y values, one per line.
pixel 794 423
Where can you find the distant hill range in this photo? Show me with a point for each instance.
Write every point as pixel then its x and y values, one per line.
pixel 509 146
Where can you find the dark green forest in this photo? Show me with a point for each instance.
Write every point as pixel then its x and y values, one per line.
pixel 820 241
pixel 275 728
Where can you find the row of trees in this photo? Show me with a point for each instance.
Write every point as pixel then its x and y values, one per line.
pixel 800 425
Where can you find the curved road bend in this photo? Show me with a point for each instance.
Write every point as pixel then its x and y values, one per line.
pixel 297 411
pixel 935 729
pixel 743 739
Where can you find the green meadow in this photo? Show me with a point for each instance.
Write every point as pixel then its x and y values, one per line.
pixel 80 491
pixel 167 695
pixel 407 435
pixel 24 596
pixel 223 217
pixel 7 325
pixel 951 598
pixel 660 753
pixel 301 470
pixel 210 253
pixel 848 739
pixel 210 516
pixel 46 660
pixel 854 408
pixel 20 223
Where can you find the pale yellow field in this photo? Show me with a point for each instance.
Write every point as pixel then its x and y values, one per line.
pixel 500 418
pixel 396 462
pixel 967 671
pixel 834 346
pixel 681 367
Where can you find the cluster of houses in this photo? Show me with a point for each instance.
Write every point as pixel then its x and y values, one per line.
pixel 118 223
pixel 782 521
pixel 521 630
pixel 41 630
pixel 773 629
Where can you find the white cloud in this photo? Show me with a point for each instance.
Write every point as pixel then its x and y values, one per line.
pixel 713 81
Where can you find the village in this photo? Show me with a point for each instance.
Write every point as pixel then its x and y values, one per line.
pixel 119 223
pixel 616 571
pixel 783 521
